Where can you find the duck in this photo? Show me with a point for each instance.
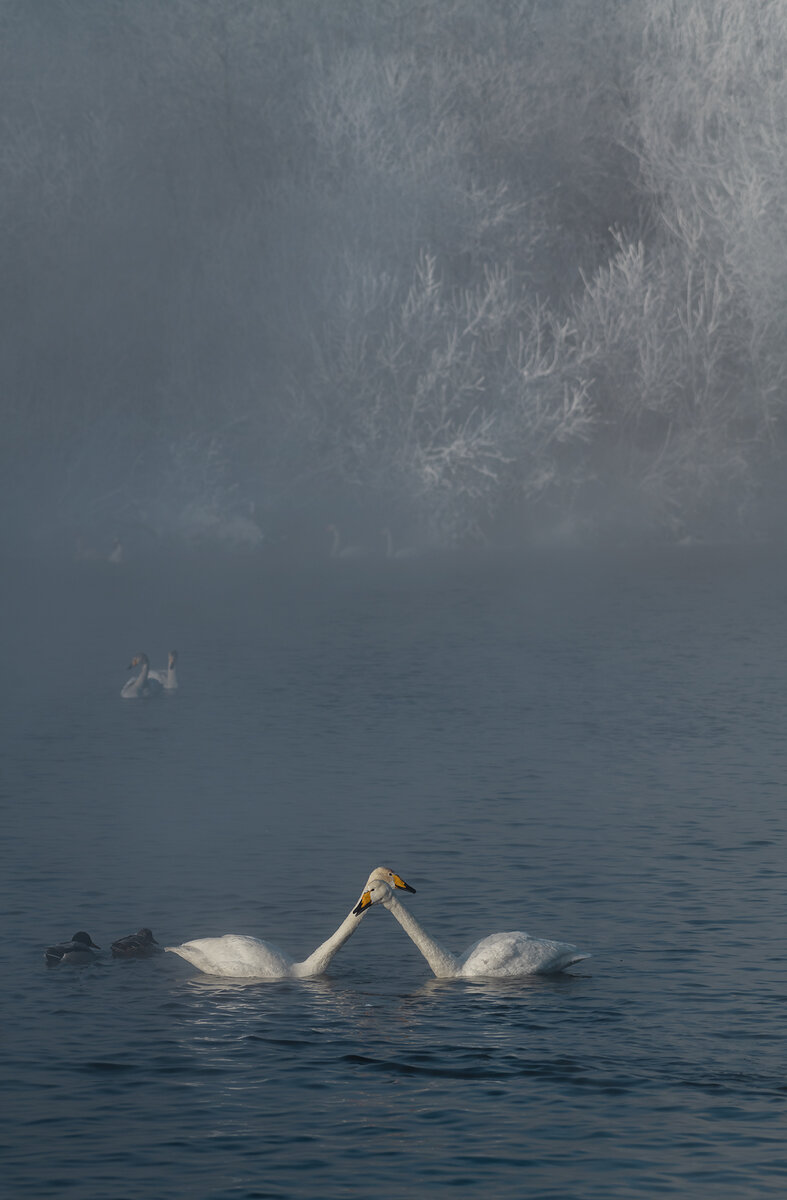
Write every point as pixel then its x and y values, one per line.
pixel 143 684
pixel 77 952
pixel 497 956
pixel 239 956
pixel 136 945
pixel 168 678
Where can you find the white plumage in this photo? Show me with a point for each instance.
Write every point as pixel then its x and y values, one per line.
pixel 499 955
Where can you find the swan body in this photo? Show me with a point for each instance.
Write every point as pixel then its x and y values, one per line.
pixel 136 945
pixel 240 956
pixel 168 678
pixel 76 952
pixel 497 956
pixel 143 684
pixel 401 552
pixel 338 550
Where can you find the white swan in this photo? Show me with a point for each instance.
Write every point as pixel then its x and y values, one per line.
pixel 168 678
pixel 500 955
pixel 237 955
pixel 401 552
pixel 144 684
pixel 340 551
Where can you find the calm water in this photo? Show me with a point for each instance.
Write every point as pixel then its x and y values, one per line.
pixel 592 750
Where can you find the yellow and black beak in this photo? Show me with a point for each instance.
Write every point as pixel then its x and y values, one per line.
pixel 400 883
pixel 363 904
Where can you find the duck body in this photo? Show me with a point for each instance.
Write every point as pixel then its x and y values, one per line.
pixel 77 952
pixel 136 945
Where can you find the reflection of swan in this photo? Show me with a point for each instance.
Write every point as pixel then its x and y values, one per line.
pixel 239 955
pixel 136 945
pixel 340 551
pixel 168 678
pixel 79 950
pixel 401 552
pixel 499 955
pixel 144 684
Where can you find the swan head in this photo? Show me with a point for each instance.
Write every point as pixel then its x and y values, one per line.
pixel 377 893
pixel 379 887
pixel 386 875
pixel 173 658
pixel 139 660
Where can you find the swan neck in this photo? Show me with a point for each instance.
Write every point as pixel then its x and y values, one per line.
pixel 319 959
pixel 443 964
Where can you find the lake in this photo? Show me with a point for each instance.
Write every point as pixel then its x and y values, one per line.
pixel 588 747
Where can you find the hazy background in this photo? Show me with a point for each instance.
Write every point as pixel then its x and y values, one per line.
pixel 511 273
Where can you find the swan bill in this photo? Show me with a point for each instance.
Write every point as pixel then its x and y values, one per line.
pixel 363 904
pixel 398 882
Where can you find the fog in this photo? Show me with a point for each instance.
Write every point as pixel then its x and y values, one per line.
pixel 508 275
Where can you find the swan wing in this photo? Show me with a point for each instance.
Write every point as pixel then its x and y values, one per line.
pixel 235 955
pixel 517 953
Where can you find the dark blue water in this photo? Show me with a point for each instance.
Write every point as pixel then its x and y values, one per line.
pixel 589 749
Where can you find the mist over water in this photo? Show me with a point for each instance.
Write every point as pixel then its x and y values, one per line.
pixel 511 276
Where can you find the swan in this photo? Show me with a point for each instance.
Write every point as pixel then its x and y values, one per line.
pixel 237 955
pixel 499 955
pixel 136 945
pixel 340 551
pixel 168 678
pixel 144 684
pixel 78 951
pixel 402 552
pixel 116 553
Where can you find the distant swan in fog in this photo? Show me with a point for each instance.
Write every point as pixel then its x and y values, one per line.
pixel 76 952
pixel 168 678
pixel 237 955
pixel 136 945
pixel 500 955
pixel 144 684
pixel 340 551
pixel 116 553
pixel 401 551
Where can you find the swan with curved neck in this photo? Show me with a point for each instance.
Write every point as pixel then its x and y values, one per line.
pixel 338 549
pixel 240 956
pixel 499 955
pixel 168 678
pixel 143 684
pixel 399 552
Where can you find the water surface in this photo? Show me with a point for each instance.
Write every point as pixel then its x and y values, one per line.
pixel 590 749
